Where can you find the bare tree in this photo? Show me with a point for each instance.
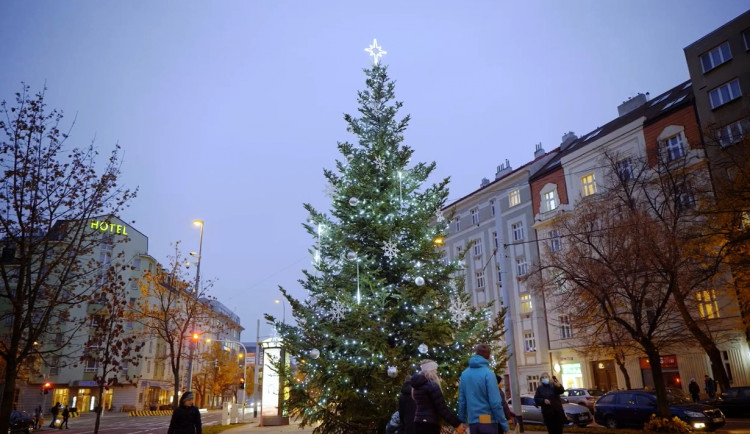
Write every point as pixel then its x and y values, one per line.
pixel 170 308
pixel 48 192
pixel 112 346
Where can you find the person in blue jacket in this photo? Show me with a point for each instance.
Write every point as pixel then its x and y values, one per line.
pixel 479 403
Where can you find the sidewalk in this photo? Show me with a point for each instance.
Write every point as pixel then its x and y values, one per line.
pixel 253 427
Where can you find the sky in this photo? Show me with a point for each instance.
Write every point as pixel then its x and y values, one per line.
pixel 228 111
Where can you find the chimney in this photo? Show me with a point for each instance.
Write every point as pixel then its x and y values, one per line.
pixel 538 151
pixel 484 183
pixel 567 139
pixel 503 169
pixel 632 104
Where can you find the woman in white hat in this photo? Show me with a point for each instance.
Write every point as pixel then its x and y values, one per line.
pixel 429 400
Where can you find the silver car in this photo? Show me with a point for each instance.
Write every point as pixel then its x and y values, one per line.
pixel 577 414
pixel 582 396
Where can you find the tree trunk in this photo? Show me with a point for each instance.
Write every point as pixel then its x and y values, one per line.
pixel 620 360
pixel 9 391
pixel 99 407
pixel 705 341
pixel 662 405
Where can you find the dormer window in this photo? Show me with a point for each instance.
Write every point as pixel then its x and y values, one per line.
pixel 673 147
pixel 550 201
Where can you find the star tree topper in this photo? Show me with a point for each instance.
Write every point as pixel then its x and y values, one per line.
pixel 376 51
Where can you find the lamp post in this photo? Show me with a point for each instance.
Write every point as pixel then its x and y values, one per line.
pixel 195 294
pixel 283 305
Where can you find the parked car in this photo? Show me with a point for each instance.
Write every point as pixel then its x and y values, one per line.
pixel 735 402
pixel 577 414
pixel 20 421
pixel 633 408
pixel 585 397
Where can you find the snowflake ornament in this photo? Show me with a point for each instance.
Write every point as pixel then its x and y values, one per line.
pixel 330 191
pixel 379 163
pixel 336 311
pixel 439 215
pixel 459 310
pixel 390 250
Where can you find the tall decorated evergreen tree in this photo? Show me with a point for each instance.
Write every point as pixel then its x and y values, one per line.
pixel 381 297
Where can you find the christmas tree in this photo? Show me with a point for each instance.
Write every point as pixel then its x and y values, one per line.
pixel 380 295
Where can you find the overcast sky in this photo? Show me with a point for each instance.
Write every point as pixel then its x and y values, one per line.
pixel 228 111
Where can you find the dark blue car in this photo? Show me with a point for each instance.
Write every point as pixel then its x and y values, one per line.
pixel 735 402
pixel 633 408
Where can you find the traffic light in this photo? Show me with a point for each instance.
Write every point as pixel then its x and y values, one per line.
pixel 242 383
pixel 47 387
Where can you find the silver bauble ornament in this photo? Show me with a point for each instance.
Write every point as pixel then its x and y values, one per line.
pixel 314 353
pixel 351 256
pixel 419 281
pixel 422 348
pixel 353 201
pixel 392 371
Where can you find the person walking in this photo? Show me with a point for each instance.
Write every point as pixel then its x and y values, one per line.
pixel 479 401
pixel 65 416
pixel 38 417
pixel 186 419
pixel 694 390
pixel 509 415
pixel 429 402
pixel 406 408
pixel 710 386
pixel 55 410
pixel 547 397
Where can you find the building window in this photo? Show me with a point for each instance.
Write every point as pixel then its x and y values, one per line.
pixel 716 57
pixel 494 237
pixel 480 279
pixel 529 343
pixel 521 267
pixel 477 247
pixel 526 306
pixel 733 133
pixel 625 169
pixel 708 308
pixel 746 39
pixel 517 229
pixel 474 216
pixel 566 331
pixel 514 198
pixel 555 243
pixel 588 184
pixel 492 205
pixel 533 382
pixel 684 197
pixel 549 200
pixel 724 93
pixel 673 147
pixel 458 224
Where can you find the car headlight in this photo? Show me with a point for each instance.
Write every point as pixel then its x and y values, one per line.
pixel 694 414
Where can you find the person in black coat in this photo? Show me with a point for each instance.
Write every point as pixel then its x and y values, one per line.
pixel 548 398
pixel 429 401
pixel 186 419
pixel 406 408
pixel 694 390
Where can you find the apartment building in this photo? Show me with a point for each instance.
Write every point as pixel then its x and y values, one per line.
pixel 495 224
pixel 144 385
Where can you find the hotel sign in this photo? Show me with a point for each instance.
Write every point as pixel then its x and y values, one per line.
pixel 109 227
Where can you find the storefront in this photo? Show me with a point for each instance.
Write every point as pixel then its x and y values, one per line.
pixel 571 376
pixel 669 369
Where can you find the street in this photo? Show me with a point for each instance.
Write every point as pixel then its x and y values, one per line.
pixel 121 423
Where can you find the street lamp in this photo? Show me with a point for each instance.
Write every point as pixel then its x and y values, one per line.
pixel 195 294
pixel 283 305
